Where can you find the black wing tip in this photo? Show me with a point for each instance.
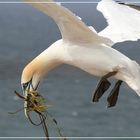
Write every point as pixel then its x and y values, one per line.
pixel 133 6
pixel 120 2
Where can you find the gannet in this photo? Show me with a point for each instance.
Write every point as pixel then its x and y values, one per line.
pixel 81 46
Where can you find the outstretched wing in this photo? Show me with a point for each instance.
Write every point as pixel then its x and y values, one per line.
pixel 123 21
pixel 71 27
pixel 137 7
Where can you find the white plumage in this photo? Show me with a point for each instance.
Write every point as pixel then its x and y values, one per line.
pixel 83 47
pixel 124 21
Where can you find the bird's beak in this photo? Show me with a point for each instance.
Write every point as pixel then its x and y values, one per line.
pixel 24 89
pixel 25 103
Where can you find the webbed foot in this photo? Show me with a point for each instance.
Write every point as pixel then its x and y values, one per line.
pixel 113 97
pixel 103 86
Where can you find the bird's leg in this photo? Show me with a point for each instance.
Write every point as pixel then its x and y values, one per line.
pixel 113 97
pixel 103 85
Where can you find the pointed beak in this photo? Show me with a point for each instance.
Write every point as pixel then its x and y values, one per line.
pixel 25 102
pixel 25 88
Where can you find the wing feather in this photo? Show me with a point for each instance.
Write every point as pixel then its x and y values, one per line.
pixel 71 27
pixel 123 21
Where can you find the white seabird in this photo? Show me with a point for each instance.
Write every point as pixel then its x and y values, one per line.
pixel 88 50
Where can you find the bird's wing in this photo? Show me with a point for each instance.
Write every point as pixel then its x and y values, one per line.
pixel 71 27
pixel 123 21
pixel 137 7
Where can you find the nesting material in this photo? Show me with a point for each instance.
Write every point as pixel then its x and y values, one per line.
pixel 36 103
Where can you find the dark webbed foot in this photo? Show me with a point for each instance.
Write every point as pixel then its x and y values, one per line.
pixel 103 86
pixel 113 97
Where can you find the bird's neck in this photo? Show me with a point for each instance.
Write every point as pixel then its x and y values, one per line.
pixel 48 60
pixel 45 62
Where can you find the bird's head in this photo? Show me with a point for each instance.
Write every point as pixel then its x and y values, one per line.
pixel 30 78
pixel 29 81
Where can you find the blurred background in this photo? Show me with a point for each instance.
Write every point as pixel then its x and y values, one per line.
pixel 25 33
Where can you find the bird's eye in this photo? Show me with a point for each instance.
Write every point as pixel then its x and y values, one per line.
pixel 25 85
